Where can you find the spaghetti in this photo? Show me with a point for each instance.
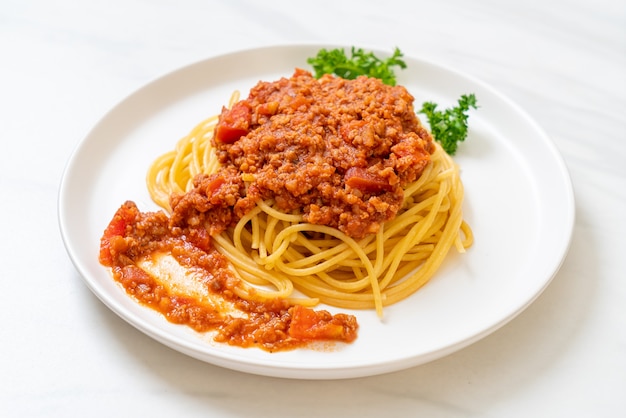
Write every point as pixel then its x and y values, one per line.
pixel 277 250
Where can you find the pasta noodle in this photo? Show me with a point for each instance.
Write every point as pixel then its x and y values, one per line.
pixel 278 252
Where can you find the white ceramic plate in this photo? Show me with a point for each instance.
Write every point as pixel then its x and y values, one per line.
pixel 519 201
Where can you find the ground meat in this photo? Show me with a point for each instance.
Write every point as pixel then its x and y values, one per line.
pixel 339 151
pixel 210 204
pixel 273 325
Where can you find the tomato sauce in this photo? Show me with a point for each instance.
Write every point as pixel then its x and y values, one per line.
pixel 337 151
pixel 134 238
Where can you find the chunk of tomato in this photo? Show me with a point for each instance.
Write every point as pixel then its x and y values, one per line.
pixel 116 230
pixel 360 178
pixel 233 123
pixel 308 324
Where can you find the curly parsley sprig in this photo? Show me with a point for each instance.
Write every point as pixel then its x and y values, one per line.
pixel 360 62
pixel 449 126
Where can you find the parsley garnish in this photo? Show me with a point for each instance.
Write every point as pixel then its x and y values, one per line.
pixel 449 127
pixel 359 63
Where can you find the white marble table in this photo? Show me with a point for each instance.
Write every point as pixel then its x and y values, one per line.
pixel 65 63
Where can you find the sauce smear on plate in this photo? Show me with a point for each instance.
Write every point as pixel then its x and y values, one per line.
pixel 177 272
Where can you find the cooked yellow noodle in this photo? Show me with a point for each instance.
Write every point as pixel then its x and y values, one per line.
pixel 278 252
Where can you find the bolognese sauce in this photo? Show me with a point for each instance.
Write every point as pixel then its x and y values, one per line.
pixel 135 239
pixel 337 151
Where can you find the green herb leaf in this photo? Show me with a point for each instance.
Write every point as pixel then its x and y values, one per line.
pixel 449 127
pixel 359 63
